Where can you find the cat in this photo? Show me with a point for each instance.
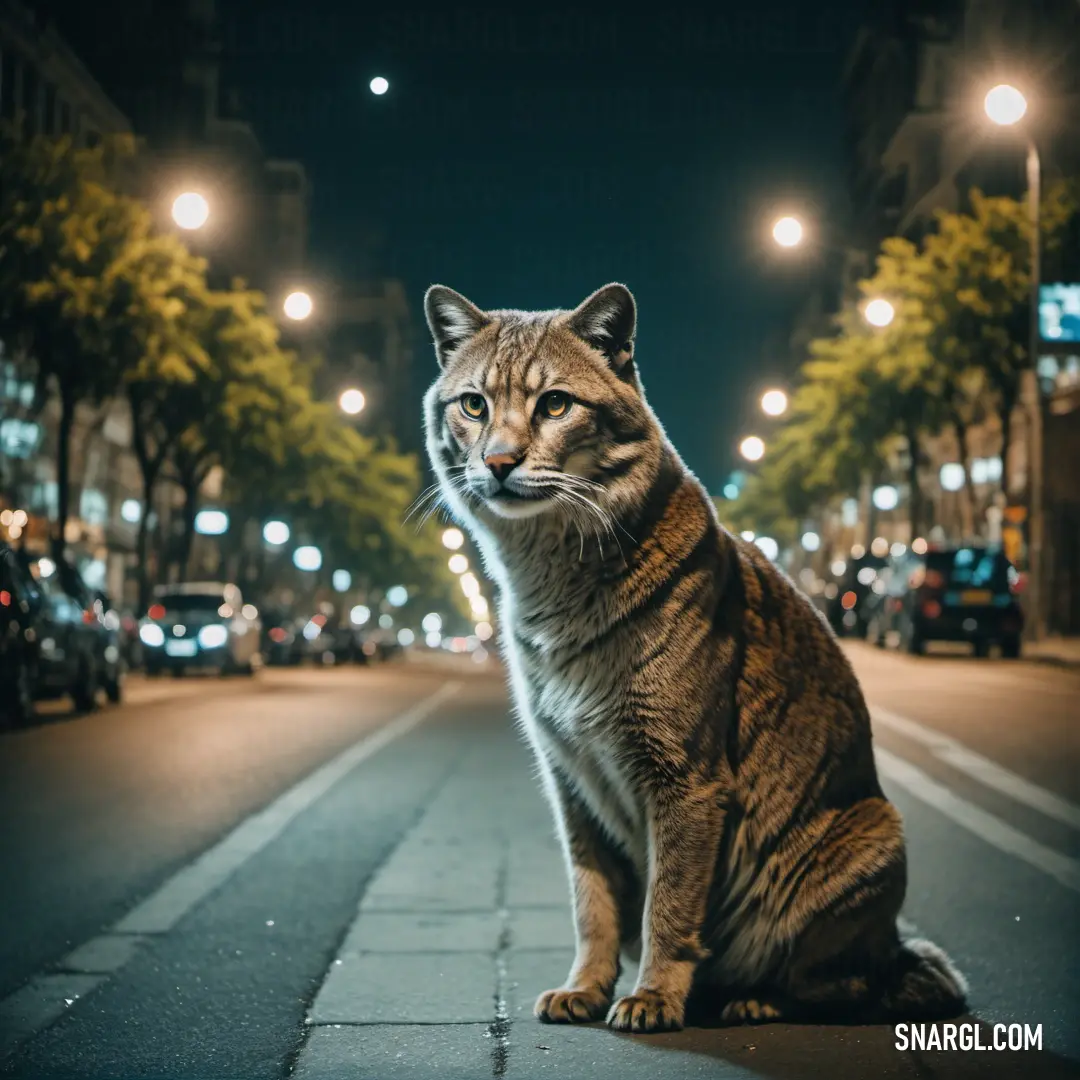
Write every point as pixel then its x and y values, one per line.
pixel 699 733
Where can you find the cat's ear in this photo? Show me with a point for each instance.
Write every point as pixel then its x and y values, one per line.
pixel 452 319
pixel 608 321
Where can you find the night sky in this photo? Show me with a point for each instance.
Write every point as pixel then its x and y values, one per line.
pixel 525 156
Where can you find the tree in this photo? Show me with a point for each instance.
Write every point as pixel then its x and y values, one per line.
pixel 238 399
pixel 165 289
pixel 64 231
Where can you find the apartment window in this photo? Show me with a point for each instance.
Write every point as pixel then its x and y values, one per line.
pixel 49 120
pixel 8 84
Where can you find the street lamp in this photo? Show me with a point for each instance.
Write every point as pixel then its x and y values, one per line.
pixel 298 305
pixel 774 403
pixel 879 312
pixel 352 401
pixel 378 86
pixel 1005 105
pixel 752 448
pixel 453 539
pixel 788 232
pixel 190 210
pixel 276 533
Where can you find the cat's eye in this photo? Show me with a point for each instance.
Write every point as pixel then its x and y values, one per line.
pixel 473 406
pixel 554 404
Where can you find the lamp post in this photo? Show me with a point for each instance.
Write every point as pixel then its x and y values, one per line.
pixel 352 401
pixel 298 305
pixel 190 210
pixel 787 232
pixel 1005 105
pixel 752 448
pixel 879 312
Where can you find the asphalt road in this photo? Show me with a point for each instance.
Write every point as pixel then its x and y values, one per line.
pixel 205 848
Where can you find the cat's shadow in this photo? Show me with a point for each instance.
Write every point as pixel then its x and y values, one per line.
pixel 780 1051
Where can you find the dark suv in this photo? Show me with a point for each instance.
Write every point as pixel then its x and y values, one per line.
pixel 948 594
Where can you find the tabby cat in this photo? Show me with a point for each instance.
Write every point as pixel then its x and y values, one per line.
pixel 700 735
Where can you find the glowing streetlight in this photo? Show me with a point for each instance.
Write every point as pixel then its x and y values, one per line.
pixel 774 403
pixel 190 210
pixel 352 401
pixel 378 86
pixel 307 558
pixel 1005 105
pixel 276 533
pixel 458 564
pixel 453 539
pixel 769 547
pixel 298 305
pixel 788 232
pixel 752 448
pixel 879 312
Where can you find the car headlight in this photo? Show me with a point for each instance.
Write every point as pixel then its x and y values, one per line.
pixel 213 637
pixel 151 634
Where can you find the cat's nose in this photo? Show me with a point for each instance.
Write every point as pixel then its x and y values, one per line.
pixel 502 465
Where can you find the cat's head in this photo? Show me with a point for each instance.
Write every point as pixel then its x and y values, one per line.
pixel 539 412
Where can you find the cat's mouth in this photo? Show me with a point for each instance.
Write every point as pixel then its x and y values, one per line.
pixel 519 501
pixel 505 494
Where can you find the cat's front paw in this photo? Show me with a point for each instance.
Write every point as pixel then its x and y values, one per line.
pixel 579 1005
pixel 646 1011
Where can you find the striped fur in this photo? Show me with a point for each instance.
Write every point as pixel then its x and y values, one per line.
pixel 701 737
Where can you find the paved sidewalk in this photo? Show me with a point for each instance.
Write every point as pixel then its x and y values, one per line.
pixel 1054 650
pixel 468 921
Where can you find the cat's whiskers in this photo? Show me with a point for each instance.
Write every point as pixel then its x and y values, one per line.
pixel 433 498
pixel 601 514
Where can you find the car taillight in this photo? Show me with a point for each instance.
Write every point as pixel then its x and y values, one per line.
pixel 931 609
pixel 934 579
pixel 89 617
pixel 277 635
pixel 156 612
pixel 848 600
pixel 5 598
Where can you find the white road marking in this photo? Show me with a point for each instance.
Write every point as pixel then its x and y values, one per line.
pixel 48 996
pixel 986 772
pixel 991 829
pixel 165 908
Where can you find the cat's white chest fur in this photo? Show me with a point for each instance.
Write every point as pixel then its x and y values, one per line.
pixel 570 707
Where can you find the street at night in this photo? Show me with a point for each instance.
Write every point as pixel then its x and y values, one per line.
pixel 352 873
pixel 539 541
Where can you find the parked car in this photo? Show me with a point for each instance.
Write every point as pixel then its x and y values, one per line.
pixel 282 644
pixel 847 611
pixel 345 644
pixel 20 620
pixel 949 594
pixel 75 646
pixel 201 625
